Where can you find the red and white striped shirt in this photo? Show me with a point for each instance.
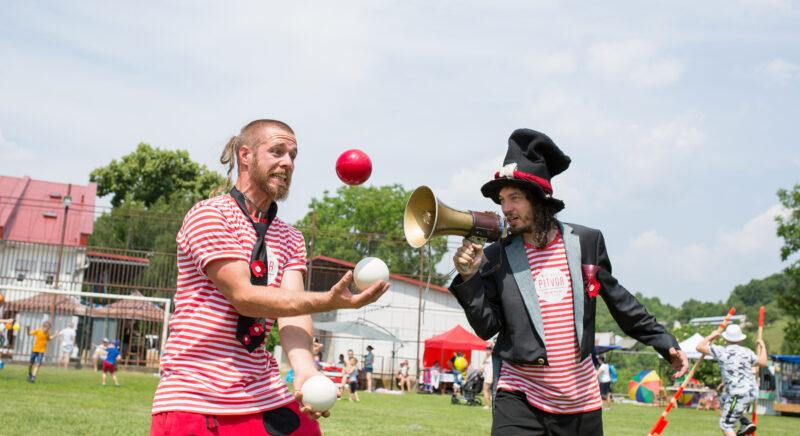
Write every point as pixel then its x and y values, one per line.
pixel 204 368
pixel 565 385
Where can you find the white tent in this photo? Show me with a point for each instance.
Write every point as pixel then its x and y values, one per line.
pixel 689 346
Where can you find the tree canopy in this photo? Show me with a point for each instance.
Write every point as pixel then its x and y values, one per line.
pixel 789 296
pixel 365 221
pixel 151 189
pixel 150 174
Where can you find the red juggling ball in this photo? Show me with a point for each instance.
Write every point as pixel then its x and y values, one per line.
pixel 353 167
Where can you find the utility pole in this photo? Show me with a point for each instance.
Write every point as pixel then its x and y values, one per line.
pixel 67 203
pixel 56 280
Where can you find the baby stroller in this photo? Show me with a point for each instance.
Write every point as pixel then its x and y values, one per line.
pixel 470 390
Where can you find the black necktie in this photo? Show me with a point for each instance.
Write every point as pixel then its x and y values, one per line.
pixel 251 331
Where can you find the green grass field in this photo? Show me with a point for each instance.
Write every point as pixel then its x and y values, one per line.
pixel 73 402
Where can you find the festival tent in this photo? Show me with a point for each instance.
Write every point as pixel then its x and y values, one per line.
pixel 689 346
pixel 356 328
pixel 442 347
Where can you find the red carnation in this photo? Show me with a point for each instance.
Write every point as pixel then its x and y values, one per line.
pixel 258 268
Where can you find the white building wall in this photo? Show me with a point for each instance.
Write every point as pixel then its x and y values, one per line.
pixel 397 311
pixel 36 262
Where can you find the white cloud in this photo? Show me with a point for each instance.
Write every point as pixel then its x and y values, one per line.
pixel 653 150
pixel 462 190
pixel 633 61
pixel 779 71
pixel 757 236
pixel 659 266
pixel 616 157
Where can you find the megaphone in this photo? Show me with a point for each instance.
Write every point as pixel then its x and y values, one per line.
pixel 425 217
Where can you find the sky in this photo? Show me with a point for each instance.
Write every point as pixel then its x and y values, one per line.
pixel 677 115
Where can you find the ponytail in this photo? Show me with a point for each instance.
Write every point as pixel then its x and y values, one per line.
pixel 229 157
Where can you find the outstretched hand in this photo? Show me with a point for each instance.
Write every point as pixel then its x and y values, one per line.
pixel 342 298
pixel 679 362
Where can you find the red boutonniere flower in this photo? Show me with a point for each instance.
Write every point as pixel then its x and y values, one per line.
pixel 258 268
pixel 256 330
pixel 590 282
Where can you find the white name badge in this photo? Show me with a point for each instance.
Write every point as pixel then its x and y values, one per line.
pixel 272 266
pixel 552 285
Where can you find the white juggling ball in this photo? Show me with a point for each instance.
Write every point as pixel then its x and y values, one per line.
pixel 319 393
pixel 368 271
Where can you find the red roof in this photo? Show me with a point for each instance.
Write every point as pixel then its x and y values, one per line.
pixel 33 211
pixel 130 309
pixel 122 257
pixel 398 277
pixel 60 304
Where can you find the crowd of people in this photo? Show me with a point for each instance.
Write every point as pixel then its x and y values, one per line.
pixel 241 272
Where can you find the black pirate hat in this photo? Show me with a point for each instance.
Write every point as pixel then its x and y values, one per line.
pixel 531 161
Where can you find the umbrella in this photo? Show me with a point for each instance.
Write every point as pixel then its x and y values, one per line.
pixel 687 398
pixel 356 328
pixel 645 386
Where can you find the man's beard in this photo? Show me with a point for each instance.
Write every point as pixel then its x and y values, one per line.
pixel 261 178
pixel 539 227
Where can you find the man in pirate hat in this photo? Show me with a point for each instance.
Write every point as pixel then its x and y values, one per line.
pixel 537 291
pixel 241 268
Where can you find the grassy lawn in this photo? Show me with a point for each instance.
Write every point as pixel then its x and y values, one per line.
pixel 73 402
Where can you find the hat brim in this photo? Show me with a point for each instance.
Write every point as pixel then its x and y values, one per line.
pixel 491 189
pixel 731 338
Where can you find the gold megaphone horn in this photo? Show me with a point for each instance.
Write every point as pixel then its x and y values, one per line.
pixel 426 217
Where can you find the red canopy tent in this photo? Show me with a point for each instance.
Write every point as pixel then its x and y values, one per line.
pixel 442 347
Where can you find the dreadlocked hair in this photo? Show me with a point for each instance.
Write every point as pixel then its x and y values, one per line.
pixel 246 136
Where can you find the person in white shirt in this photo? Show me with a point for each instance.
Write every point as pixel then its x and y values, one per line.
pixel 67 337
pixel 604 378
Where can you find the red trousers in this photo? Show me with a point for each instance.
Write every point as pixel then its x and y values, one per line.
pixel 287 420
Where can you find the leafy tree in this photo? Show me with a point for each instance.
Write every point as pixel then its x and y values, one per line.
pixel 150 174
pixel 765 292
pixel 692 308
pixel 365 221
pixel 664 313
pixel 152 189
pixel 789 297
pixel 708 371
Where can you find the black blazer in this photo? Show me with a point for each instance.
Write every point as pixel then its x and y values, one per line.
pixel 494 304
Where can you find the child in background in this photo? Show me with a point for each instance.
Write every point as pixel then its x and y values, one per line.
pixel 351 371
pixel 99 355
pixel 110 364
pixel 41 337
pixel 736 367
